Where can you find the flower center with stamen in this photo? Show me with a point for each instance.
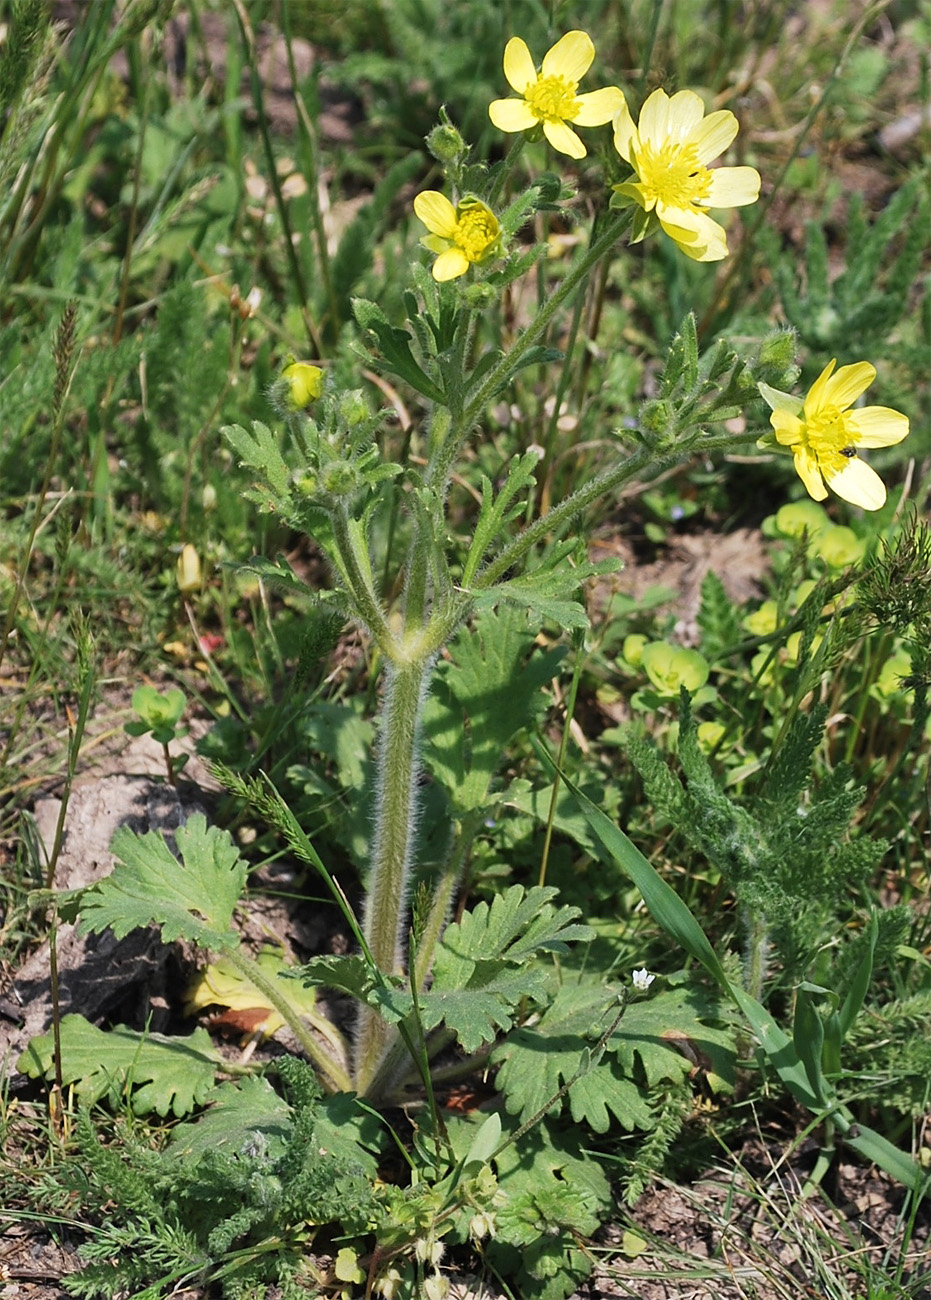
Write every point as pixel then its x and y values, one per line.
pixel 673 175
pixel 476 231
pixel 553 99
pixel 829 437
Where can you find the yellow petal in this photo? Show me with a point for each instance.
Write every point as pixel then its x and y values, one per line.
pixel 815 399
pixel 878 426
pixel 518 65
pixel 564 139
pixel 654 119
pixel 684 114
pixel 436 212
pixel 849 383
pixel 806 466
pixel 733 187
pixel 511 115
pixel 713 134
pixel 789 428
pixel 599 106
pixel 571 57
pixel 700 238
pixel 450 264
pixel 858 484
pixel 626 138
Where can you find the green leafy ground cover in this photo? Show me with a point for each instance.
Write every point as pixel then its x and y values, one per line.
pixel 271 466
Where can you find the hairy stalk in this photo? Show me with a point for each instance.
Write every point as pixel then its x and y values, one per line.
pixel 395 825
pixel 395 1066
pixel 357 572
pixel 441 464
pixel 334 1076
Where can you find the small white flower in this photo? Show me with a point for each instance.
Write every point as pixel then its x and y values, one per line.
pixel 642 980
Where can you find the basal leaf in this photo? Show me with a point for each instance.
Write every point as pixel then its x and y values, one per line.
pixel 221 985
pixel 476 1014
pixel 162 1074
pixel 191 899
pixel 250 1113
pixel 240 1114
pixel 535 1061
pixel 670 1033
pixel 516 925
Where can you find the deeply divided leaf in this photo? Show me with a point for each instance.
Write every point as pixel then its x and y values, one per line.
pixel 192 899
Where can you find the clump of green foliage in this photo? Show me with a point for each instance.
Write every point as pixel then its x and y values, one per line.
pixel 437 520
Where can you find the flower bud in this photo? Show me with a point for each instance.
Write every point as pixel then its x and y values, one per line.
pixel 656 416
pixel 445 142
pixel 481 1225
pixel 189 572
pixel 352 407
pixel 435 1287
pixel 339 478
pixel 304 384
pixel 777 358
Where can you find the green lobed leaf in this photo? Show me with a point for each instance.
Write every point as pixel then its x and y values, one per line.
pixel 551 592
pixel 476 1013
pixel 489 688
pixel 516 925
pixel 162 1074
pixel 191 899
pixel 276 574
pixel 259 451
pixel 535 1061
pixel 394 345
pixel 237 1114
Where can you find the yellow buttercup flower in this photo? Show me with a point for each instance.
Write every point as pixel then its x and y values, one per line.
pixel 550 98
pixel 461 235
pixel 823 434
pixel 669 152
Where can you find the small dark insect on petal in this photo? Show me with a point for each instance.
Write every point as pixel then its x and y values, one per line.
pixel 849 452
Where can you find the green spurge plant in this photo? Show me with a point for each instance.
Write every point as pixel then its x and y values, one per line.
pixel 454 633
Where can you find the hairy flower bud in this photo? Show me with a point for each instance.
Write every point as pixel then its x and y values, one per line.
pixel 304 384
pixel 445 142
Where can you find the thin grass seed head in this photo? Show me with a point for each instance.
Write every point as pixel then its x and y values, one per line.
pixel 669 151
pixel 824 433
pixel 549 98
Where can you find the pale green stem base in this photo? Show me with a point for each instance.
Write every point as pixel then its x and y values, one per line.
pixel 756 952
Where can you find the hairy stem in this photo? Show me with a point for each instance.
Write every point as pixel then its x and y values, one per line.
pixel 395 825
pixel 334 1075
